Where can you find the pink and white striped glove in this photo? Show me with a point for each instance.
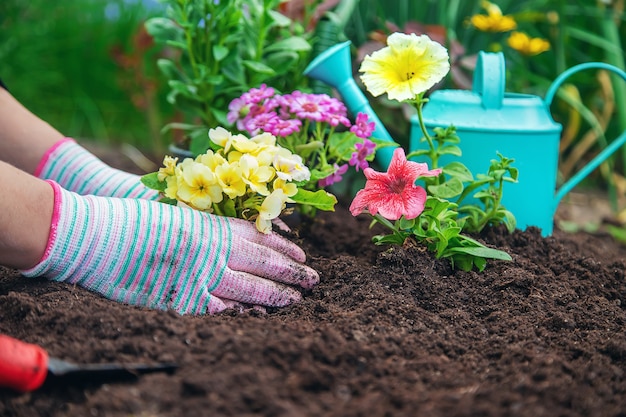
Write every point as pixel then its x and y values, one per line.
pixel 76 169
pixel 160 256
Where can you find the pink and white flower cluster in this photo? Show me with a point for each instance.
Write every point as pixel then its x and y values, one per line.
pixel 305 122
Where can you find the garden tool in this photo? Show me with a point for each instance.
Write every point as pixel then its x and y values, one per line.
pixel 25 367
pixel 488 121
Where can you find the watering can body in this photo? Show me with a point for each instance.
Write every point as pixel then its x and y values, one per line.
pixel 489 121
pixel 518 126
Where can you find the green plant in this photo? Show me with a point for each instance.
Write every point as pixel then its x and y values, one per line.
pixel 404 70
pixel 57 60
pixel 223 48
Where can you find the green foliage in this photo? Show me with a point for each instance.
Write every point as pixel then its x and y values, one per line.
pixel 222 50
pixel 438 229
pixel 63 61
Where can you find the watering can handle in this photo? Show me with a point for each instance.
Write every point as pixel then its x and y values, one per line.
pixel 489 79
pixel 606 152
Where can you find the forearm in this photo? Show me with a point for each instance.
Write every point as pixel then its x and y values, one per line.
pixel 25 217
pixel 24 137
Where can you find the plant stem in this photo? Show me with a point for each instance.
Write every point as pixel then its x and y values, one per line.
pixel 434 159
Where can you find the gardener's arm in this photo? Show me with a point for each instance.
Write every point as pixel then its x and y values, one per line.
pixel 25 214
pixel 144 253
pixel 24 137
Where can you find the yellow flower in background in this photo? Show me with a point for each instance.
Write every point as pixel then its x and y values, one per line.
pixel 211 159
pixel 494 20
pixel 526 45
pixel 407 67
pixel 197 185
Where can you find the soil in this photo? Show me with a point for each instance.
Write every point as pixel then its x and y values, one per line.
pixel 389 331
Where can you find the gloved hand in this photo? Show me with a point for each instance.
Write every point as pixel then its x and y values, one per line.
pixel 76 169
pixel 160 256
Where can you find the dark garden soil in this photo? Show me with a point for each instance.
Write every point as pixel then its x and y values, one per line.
pixel 387 332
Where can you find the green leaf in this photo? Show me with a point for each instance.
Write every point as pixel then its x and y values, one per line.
pixel 163 29
pixel 458 170
pixel 393 239
pixel 450 150
pixel 482 252
pixel 259 67
pixel 228 207
pixel 168 68
pixel 151 180
pixel 220 52
pixel 320 199
pixel 199 141
pixel 293 43
pixel 448 189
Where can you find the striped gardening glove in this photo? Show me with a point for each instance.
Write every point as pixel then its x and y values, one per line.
pixel 160 256
pixel 76 169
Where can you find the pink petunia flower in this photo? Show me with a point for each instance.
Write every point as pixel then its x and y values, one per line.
pixel 334 177
pixel 362 127
pixel 363 150
pixel 394 194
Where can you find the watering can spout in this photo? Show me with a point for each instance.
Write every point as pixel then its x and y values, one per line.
pixel 334 67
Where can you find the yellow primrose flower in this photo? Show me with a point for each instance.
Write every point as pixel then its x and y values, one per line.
pixel 211 159
pixel 289 188
pixel 224 138
pixel 256 176
pixel 197 185
pixel 290 167
pixel 270 209
pixel 244 145
pixel 264 138
pixel 171 191
pixel 168 168
pixel 494 21
pixel 230 179
pixel 526 45
pixel 407 67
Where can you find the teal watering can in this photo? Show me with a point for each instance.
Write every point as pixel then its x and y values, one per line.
pixel 488 121
pixel 518 126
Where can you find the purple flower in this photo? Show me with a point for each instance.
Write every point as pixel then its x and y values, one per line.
pixel 283 127
pixel 334 119
pixel 308 106
pixel 260 122
pixel 362 128
pixel 237 110
pixel 257 95
pixel 334 177
pixel 363 150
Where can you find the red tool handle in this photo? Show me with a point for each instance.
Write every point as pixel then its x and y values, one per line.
pixel 23 366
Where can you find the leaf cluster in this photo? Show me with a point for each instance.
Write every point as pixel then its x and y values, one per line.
pixel 219 49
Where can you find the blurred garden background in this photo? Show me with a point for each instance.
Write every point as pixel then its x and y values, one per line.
pixel 89 67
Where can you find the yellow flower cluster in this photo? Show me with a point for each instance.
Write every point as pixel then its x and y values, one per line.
pixel 250 178
pixel 526 45
pixel 495 21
